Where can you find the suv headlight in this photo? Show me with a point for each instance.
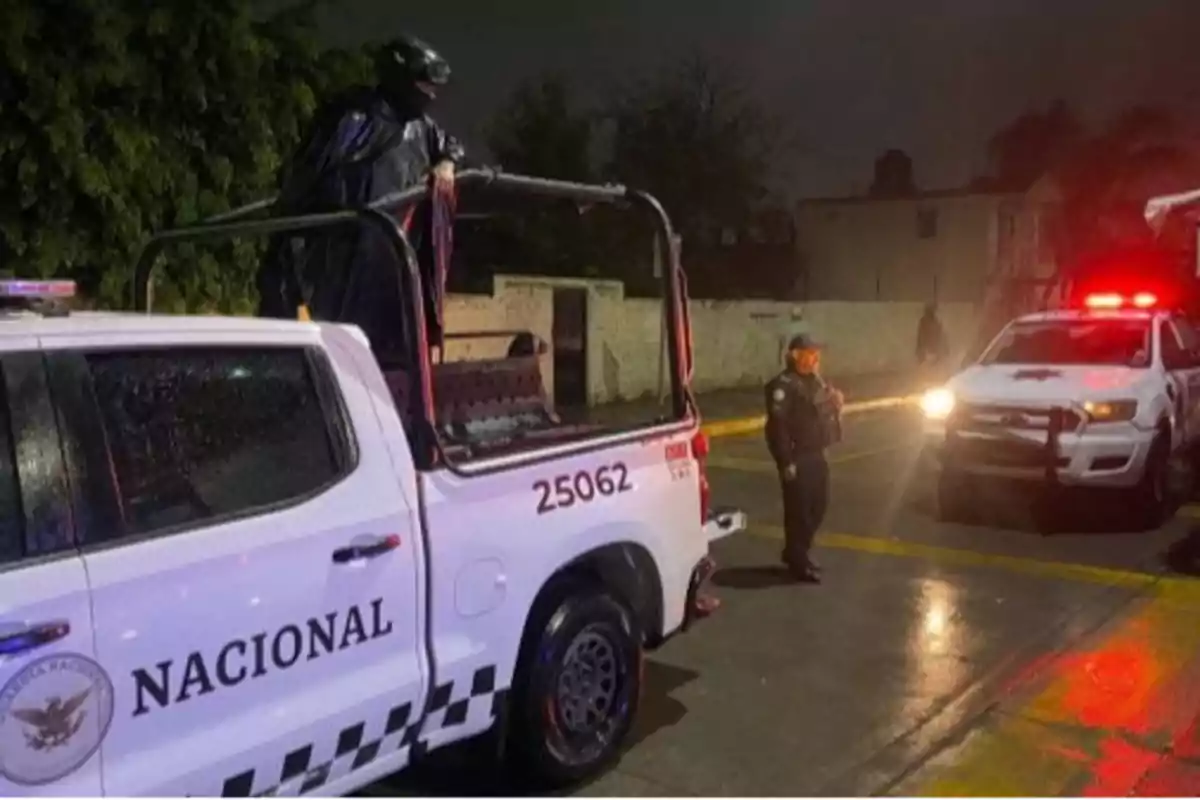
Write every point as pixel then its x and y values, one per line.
pixel 937 403
pixel 1111 410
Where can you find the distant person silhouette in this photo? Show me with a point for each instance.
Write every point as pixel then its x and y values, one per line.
pixel 932 346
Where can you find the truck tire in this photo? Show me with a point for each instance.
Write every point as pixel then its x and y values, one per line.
pixel 1151 496
pixel 578 687
pixel 956 503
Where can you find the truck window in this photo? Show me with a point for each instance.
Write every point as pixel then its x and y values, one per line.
pixel 1092 342
pixel 206 434
pixel 1173 355
pixel 1189 340
pixel 12 518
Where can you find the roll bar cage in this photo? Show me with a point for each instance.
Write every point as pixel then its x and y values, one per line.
pixel 1159 209
pixel 255 219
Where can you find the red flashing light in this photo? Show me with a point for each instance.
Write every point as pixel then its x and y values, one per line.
pixel 1103 301
pixel 1144 300
pixel 1113 301
pixel 37 290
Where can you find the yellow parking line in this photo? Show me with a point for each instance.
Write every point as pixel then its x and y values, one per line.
pixel 741 425
pixel 1190 511
pixel 1060 570
pixel 765 466
pixel 733 427
pixel 742 464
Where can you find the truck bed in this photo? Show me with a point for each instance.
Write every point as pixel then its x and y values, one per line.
pixel 489 407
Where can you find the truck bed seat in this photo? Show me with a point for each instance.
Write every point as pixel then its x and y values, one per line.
pixel 480 400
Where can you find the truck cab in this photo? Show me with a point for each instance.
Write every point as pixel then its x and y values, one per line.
pixel 1103 395
pixel 248 556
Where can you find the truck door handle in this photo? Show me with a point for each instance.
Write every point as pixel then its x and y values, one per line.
pixel 354 552
pixel 32 637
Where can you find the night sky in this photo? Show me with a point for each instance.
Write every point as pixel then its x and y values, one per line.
pixel 851 77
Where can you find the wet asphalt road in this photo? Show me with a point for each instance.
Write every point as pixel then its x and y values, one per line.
pixel 931 654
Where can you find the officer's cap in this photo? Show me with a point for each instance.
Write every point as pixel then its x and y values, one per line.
pixel 802 341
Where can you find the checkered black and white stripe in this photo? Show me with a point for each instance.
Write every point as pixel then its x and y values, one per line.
pixel 458 702
pixel 310 767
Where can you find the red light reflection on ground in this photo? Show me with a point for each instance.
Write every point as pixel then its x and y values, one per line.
pixel 1170 779
pixel 1119 769
pixel 1114 716
pixel 1108 688
pixel 1187 746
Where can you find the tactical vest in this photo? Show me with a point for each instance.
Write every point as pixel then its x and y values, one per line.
pixel 829 415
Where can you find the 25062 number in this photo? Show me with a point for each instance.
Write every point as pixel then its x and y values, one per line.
pixel 565 491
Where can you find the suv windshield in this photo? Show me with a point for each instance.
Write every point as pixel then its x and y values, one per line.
pixel 1109 342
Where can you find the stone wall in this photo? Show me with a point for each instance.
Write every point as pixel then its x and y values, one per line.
pixel 737 343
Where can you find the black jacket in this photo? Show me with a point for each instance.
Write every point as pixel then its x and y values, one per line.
pixel 358 150
pixel 801 418
pixel 931 337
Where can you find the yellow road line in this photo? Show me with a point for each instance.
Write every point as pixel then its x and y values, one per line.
pixel 750 424
pixel 742 464
pixel 765 466
pixel 733 427
pixel 1061 570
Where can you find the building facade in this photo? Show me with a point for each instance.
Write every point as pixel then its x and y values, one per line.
pixel 948 246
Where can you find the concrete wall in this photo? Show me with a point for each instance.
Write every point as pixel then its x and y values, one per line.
pixel 742 343
pixel 737 343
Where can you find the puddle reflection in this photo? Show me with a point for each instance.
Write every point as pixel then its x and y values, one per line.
pixel 936 664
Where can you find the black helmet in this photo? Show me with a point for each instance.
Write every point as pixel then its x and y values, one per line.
pixel 407 60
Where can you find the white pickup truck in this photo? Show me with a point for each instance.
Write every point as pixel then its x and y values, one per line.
pixel 234 563
pixel 1102 396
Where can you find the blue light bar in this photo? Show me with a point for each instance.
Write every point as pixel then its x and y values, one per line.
pixel 37 290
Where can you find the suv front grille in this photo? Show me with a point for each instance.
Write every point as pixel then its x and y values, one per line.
pixel 995 418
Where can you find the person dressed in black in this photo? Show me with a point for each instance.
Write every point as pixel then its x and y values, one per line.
pixel 803 418
pixel 364 145
pixel 931 337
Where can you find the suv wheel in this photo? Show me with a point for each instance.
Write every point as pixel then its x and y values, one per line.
pixel 1152 498
pixel 578 687
pixel 955 500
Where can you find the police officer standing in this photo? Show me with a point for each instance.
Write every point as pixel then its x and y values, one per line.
pixel 803 418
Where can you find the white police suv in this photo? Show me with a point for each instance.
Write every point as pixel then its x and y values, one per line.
pixel 1098 396
pixel 231 564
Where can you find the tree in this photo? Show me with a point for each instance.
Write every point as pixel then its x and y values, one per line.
pixel 701 144
pixel 1104 176
pixel 1032 145
pixel 123 117
pixel 541 131
pixel 1108 178
pixel 696 140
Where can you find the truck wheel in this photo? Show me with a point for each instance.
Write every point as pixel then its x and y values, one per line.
pixel 1151 498
pixel 955 500
pixel 578 688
